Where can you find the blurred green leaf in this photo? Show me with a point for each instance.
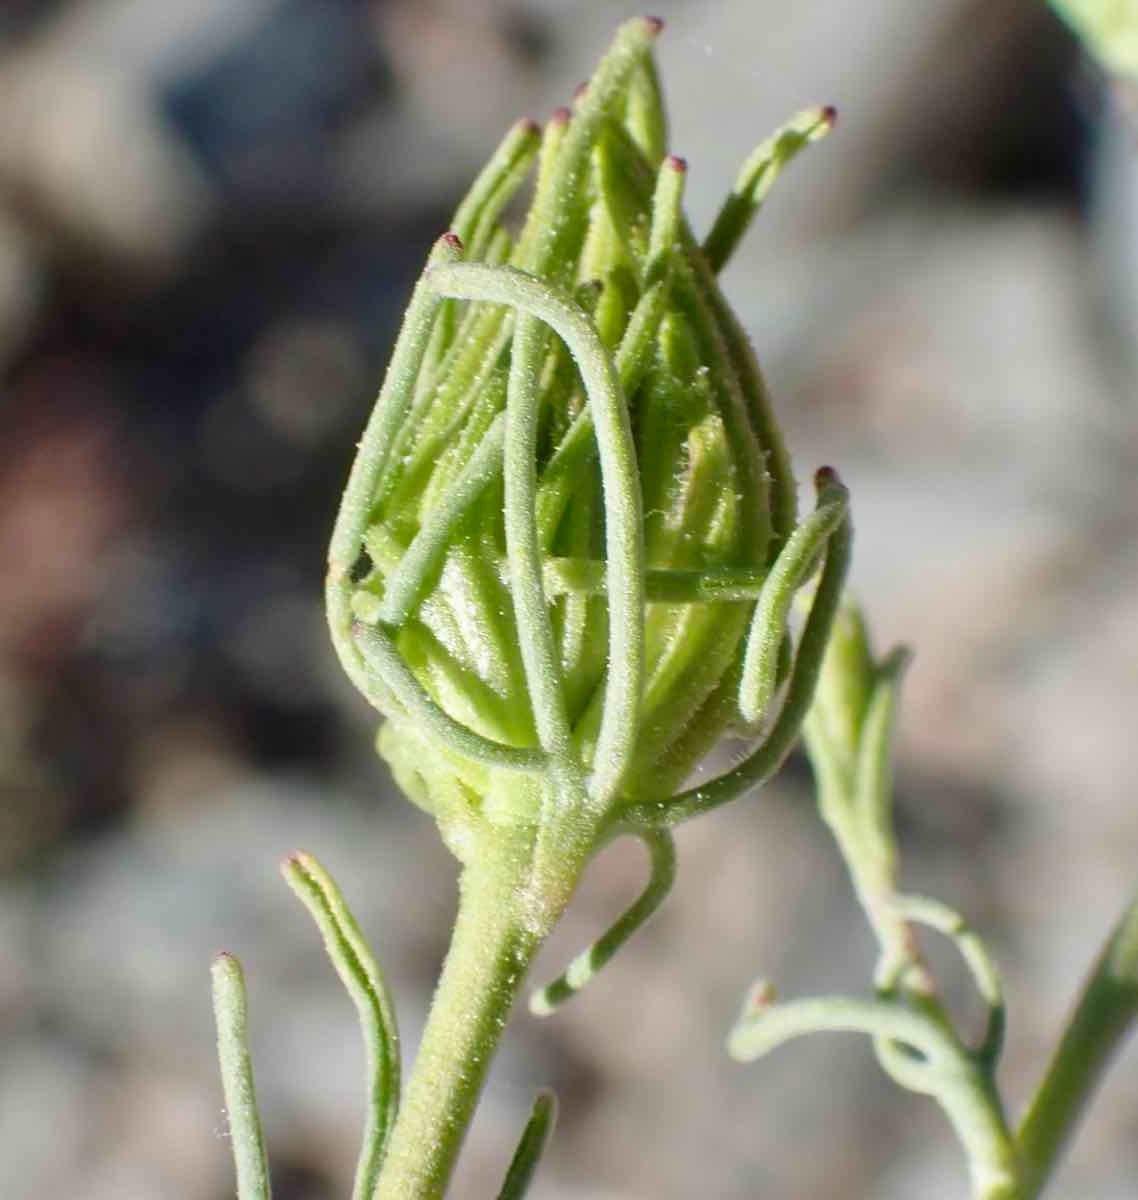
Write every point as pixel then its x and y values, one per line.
pixel 1108 29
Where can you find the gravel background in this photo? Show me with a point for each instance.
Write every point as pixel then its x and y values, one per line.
pixel 210 214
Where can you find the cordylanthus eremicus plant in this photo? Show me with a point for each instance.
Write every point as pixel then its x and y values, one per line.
pixel 563 571
pixel 567 551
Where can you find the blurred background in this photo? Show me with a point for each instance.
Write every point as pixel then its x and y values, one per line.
pixel 211 212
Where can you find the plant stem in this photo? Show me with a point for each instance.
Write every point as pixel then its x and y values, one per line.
pixel 1105 1012
pixel 495 938
pixel 977 1116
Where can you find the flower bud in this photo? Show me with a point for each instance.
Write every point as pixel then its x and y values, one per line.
pixel 572 489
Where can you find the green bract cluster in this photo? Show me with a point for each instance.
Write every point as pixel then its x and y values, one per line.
pixel 568 547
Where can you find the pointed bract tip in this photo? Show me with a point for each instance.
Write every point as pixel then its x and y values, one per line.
pixel 223 958
pixel 528 125
pixel 897 661
pixel 829 115
pixel 561 115
pixel 655 24
pixel 580 89
pixel 760 997
pixel 674 163
pixel 453 240
pixel 295 859
pixel 826 476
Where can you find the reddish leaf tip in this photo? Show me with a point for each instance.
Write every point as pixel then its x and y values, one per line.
pixel 829 115
pixel 580 89
pixel 655 24
pixel 561 115
pixel 760 997
pixel 451 239
pixel 529 125
pixel 675 163
pixel 826 475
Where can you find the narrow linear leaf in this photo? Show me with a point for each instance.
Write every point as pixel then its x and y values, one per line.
pixel 977 957
pixel 544 675
pixel 756 178
pixel 645 117
pixel 535 1137
pixel 624 548
pixel 790 571
pixel 1106 1012
pixel 763 1025
pixel 381 656
pixel 361 976
pixel 873 795
pixel 944 1069
pixel 662 585
pixel 578 445
pixel 406 584
pixel 662 854
pixel 667 214
pixel 230 1011
pixel 502 176
pixel 765 759
pixel 474 222
pixel 395 397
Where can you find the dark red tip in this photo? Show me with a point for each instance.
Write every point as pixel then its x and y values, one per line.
pixel 830 115
pixel 529 125
pixel 452 239
pixel 655 24
pixel 825 476
pixel 760 997
pixel 674 163
pixel 560 116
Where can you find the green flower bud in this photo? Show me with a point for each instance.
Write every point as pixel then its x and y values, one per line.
pixel 568 547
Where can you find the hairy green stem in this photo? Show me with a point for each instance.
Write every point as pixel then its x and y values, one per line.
pixel 977 1116
pixel 496 935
